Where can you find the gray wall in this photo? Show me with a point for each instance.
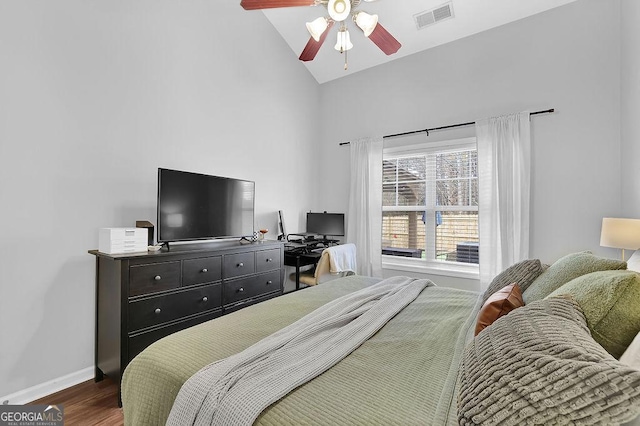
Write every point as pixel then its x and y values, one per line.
pixel 630 76
pixel 567 58
pixel 94 97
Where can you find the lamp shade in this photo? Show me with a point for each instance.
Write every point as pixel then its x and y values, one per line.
pixel 317 27
pixel 344 41
pixel 366 22
pixel 620 233
pixel 339 10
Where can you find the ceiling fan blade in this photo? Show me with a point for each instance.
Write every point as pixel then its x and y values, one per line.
pixel 311 49
pixel 384 40
pixel 269 4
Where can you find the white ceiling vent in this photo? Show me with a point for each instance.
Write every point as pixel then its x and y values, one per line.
pixel 430 17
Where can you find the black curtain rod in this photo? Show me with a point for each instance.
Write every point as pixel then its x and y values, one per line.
pixel 470 123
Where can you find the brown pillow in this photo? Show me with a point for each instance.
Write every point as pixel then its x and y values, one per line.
pixel 499 304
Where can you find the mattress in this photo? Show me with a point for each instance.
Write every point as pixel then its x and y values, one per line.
pixel 405 374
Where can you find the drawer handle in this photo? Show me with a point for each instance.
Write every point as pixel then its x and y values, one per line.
pixel 269 282
pixel 269 260
pixel 240 290
pixel 157 278
pixel 240 265
pixel 205 270
pixel 205 299
pixel 158 311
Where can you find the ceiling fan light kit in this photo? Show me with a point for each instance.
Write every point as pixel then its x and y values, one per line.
pixel 311 49
pixel 339 11
pixel 317 27
pixel 366 22
pixel 344 40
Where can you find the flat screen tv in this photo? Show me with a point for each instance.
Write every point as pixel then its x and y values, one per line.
pixel 194 206
pixel 327 224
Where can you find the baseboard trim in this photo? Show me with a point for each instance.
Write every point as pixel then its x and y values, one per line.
pixel 47 388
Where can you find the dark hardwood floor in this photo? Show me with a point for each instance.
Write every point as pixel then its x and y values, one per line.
pixel 88 403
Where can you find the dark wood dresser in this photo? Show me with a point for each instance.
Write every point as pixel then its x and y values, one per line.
pixel 142 297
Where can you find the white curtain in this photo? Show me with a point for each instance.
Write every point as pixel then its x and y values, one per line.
pixel 364 223
pixel 504 170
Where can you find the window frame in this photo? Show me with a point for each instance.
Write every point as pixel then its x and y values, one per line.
pixel 430 265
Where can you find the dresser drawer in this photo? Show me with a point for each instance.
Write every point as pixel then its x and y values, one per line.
pixel 200 271
pixel 267 260
pixel 140 341
pixel 167 307
pixel 236 265
pixel 237 290
pixel 247 302
pixel 154 277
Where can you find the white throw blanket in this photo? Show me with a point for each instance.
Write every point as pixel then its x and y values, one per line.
pixel 342 258
pixel 235 390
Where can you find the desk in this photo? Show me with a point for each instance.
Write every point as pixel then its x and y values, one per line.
pixel 298 259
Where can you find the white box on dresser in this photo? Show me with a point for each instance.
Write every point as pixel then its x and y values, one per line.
pixel 122 240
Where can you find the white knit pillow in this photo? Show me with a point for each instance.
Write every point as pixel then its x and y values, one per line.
pixel 631 356
pixel 633 264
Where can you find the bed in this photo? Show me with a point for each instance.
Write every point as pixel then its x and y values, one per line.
pixel 408 373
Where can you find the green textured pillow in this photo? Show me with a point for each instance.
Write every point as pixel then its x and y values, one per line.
pixel 565 269
pixel 610 301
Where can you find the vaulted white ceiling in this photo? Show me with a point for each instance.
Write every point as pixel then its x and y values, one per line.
pixel 397 16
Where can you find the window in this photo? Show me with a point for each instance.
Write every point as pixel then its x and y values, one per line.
pixel 430 203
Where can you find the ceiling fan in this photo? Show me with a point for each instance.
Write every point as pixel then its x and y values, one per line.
pixel 339 11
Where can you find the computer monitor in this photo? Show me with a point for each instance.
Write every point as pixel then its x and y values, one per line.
pixel 325 224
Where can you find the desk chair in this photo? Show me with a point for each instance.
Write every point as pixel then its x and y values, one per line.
pixel 335 262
